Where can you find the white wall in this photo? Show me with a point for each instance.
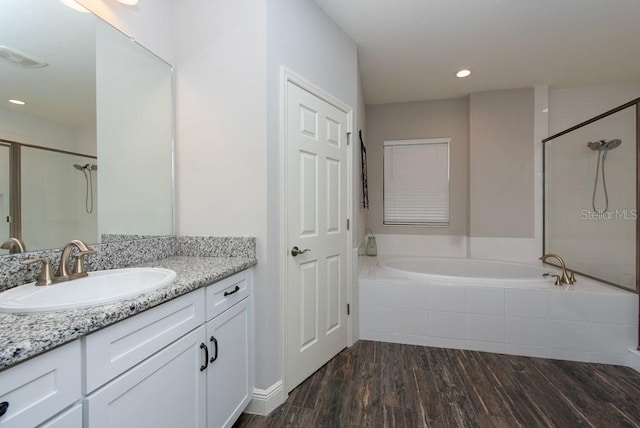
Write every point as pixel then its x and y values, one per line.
pixel 221 165
pixel 221 119
pixel 301 37
pixel 360 218
pixel 570 106
pixel 53 200
pixel 501 164
pixel 423 119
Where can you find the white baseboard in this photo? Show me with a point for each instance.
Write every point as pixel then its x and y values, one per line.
pixel 634 359
pixel 266 400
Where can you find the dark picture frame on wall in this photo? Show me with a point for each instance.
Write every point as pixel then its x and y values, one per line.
pixel 363 165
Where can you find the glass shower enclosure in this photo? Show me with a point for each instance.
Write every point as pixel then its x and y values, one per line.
pixel 46 195
pixel 591 196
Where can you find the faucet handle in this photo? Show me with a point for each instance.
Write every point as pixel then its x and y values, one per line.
pixel 78 267
pixel 46 274
pixel 572 277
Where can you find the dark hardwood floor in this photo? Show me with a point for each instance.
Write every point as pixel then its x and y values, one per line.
pixel 374 384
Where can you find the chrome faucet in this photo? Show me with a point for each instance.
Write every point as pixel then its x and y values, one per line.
pixel 65 273
pixel 14 245
pixel 566 278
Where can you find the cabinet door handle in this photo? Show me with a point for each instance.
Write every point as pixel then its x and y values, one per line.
pixel 215 349
pixel 206 356
pixel 3 407
pixel 229 293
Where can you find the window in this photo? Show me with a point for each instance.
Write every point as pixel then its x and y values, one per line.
pixel 416 182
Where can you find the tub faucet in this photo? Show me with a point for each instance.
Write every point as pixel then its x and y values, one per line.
pixel 567 278
pixel 64 270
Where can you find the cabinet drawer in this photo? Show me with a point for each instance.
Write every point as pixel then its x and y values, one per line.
pixel 41 387
pixel 227 292
pixel 113 350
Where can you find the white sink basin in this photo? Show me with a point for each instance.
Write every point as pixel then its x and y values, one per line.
pixel 96 289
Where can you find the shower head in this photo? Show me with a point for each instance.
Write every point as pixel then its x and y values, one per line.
pixel 604 144
pixel 78 167
pixel 611 144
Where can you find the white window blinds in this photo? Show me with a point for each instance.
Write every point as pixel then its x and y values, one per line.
pixel 416 182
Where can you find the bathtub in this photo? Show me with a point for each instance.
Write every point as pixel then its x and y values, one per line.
pixel 469 272
pixel 494 306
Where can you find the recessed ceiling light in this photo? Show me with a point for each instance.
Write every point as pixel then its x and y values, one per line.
pixel 463 73
pixel 128 2
pixel 75 6
pixel 17 102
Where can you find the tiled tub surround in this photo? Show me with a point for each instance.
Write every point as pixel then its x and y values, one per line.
pixel 588 322
pixel 23 336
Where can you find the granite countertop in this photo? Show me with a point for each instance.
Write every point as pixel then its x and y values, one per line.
pixel 23 336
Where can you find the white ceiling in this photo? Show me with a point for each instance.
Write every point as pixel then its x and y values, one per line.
pixel 410 50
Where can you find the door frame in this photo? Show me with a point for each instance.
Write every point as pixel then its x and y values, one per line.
pixel 288 76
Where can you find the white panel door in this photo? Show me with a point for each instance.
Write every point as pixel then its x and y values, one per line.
pixel 316 221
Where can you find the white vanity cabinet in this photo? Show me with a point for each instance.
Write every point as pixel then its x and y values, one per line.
pixel 230 336
pixel 186 363
pixel 155 360
pixel 41 387
pixel 113 350
pixel 165 390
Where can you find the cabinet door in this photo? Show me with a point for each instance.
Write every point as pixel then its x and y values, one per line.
pixel 230 372
pixel 41 387
pixel 71 418
pixel 166 390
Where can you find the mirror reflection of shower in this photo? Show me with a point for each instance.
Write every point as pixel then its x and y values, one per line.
pixel 602 147
pixel 87 169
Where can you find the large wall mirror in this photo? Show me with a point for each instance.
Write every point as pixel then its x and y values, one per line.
pixel 89 155
pixel 591 196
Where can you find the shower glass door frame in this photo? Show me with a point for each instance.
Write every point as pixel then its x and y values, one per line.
pixel 14 214
pixel 633 103
pixel 15 180
pixel 636 103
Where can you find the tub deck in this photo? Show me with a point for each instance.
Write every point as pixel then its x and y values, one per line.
pixel 587 321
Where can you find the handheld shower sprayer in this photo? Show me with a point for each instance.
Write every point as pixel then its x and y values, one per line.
pixel 602 146
pixel 86 170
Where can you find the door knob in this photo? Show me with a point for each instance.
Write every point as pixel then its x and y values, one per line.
pixel 295 251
